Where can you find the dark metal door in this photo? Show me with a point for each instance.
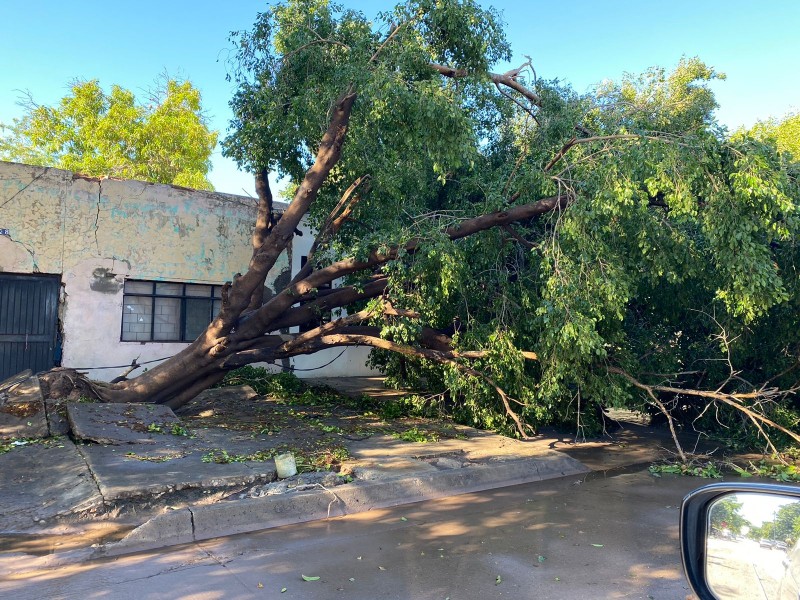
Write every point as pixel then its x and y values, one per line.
pixel 28 322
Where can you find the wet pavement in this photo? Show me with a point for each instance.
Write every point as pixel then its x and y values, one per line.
pixel 602 535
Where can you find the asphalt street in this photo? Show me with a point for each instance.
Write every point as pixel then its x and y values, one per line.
pixel 610 534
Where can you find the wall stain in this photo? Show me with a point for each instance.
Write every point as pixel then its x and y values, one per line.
pixel 179 227
pixel 104 281
pixel 222 228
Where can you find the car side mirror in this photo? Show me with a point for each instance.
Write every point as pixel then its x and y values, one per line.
pixel 742 541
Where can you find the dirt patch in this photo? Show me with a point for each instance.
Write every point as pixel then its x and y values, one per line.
pixel 315 423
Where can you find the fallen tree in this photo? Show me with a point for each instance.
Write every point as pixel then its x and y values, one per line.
pixel 528 250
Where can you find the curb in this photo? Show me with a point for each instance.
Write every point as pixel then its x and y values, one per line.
pixel 229 518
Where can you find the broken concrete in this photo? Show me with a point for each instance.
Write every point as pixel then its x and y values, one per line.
pixel 22 409
pixel 445 462
pixel 57 422
pixel 146 471
pixel 299 483
pixel 42 482
pixel 119 424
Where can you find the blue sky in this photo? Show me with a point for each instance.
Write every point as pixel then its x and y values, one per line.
pixel 46 44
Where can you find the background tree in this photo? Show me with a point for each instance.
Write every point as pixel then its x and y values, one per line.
pixel 165 140
pixel 726 516
pixel 786 525
pixel 526 251
pixel 784 133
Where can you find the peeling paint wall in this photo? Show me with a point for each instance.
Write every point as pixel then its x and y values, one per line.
pixel 96 233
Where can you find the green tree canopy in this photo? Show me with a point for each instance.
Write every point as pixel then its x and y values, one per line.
pixel 664 262
pixel 786 525
pixel 96 133
pixel 784 133
pixel 726 516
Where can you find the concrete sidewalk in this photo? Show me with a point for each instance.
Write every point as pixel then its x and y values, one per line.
pixel 130 483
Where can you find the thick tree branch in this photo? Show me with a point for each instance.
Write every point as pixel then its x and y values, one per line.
pixel 335 298
pixel 325 329
pixel 330 150
pixel 265 219
pixel 507 79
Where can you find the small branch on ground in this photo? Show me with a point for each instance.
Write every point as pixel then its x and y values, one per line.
pixel 734 400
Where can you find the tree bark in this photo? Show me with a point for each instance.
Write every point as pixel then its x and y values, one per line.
pixel 265 219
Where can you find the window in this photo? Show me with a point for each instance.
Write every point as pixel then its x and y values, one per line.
pixel 160 311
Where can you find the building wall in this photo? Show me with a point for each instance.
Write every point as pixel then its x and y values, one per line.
pixel 96 233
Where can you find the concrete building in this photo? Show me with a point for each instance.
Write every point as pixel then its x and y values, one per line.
pixel 97 272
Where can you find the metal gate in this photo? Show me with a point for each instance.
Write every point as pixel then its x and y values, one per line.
pixel 28 322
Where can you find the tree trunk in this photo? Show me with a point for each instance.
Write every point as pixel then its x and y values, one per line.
pixel 205 362
pixel 243 332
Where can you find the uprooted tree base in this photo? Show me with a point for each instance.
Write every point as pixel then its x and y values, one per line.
pixel 67 384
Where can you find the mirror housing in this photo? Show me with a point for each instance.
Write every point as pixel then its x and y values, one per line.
pixel 695 527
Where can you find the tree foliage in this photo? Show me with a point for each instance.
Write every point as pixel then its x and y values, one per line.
pixel 96 133
pixel 726 516
pixel 784 526
pixel 783 133
pixel 525 250
pixel 675 255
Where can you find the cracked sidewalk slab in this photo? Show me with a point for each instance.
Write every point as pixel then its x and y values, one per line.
pixel 43 482
pixel 135 471
pixel 120 423
pixel 173 463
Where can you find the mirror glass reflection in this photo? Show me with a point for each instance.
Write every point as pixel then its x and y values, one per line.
pixel 753 547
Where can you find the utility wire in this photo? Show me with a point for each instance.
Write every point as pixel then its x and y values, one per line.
pixel 147 362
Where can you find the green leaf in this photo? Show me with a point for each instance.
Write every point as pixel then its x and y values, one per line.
pixel 309 578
